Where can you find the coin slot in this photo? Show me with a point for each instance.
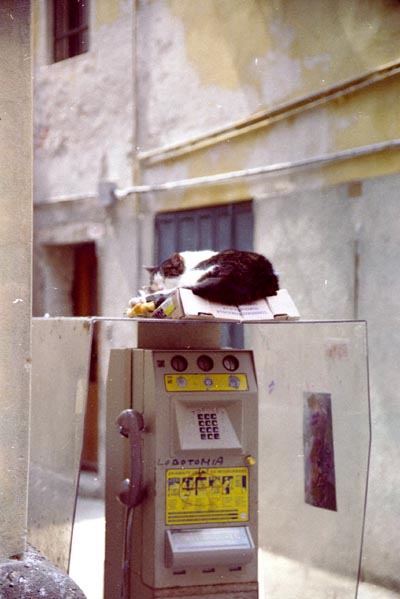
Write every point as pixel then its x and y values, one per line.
pixel 179 363
pixel 230 363
pixel 208 570
pixel 205 363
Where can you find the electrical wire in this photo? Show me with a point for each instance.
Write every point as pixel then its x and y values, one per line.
pixel 127 554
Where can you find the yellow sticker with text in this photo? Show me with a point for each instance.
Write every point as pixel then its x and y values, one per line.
pixel 205 382
pixel 207 495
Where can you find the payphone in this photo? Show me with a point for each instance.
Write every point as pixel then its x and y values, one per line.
pixel 187 473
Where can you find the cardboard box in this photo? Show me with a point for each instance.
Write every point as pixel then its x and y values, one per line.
pixel 282 306
pixel 185 305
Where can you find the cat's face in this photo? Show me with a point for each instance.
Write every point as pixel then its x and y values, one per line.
pixel 166 275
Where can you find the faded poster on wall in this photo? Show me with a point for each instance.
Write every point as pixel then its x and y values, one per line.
pixel 319 463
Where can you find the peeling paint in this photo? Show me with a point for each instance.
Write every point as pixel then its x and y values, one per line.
pixel 212 31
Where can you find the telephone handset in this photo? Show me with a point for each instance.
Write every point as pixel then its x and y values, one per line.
pixel 131 425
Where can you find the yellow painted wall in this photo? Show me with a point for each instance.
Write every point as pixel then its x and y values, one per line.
pixel 233 43
pixel 106 11
pixel 293 49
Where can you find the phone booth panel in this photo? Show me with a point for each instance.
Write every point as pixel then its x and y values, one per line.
pixel 222 492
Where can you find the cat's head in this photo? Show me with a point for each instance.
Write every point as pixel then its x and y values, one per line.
pixel 166 274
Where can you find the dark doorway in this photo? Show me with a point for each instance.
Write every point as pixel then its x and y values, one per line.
pixel 84 303
pixel 214 228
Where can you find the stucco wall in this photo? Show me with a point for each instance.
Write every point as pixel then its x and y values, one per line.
pixel 193 68
pixel 233 58
pixel 83 115
pixel 203 67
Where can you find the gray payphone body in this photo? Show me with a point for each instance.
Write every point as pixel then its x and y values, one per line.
pixel 195 529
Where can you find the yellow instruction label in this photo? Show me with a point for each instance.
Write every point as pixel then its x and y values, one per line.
pixel 206 382
pixel 207 495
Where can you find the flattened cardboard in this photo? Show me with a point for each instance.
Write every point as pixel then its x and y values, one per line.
pixel 185 305
pixel 282 306
pixel 258 310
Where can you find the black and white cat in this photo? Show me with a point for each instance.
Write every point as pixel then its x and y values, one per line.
pixel 229 277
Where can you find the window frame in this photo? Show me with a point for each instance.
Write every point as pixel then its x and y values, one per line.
pixel 69 39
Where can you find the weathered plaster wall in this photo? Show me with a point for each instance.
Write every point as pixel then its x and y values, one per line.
pixel 201 66
pixel 233 59
pixel 114 231
pixel 84 130
pixel 312 237
pixel 83 106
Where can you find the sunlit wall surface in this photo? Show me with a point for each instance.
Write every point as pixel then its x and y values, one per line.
pixel 15 267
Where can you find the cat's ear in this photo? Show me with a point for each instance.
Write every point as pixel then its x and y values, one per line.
pixel 151 269
pixel 176 259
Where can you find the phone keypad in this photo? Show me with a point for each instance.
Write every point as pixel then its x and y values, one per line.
pixel 208 426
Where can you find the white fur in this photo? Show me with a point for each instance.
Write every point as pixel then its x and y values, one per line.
pixel 189 276
pixel 192 259
pixel 159 283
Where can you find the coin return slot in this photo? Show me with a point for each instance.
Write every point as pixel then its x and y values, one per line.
pixel 204 546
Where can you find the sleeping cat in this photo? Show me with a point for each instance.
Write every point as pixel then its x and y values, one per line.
pixel 230 277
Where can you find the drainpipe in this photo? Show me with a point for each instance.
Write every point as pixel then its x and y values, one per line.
pixel 271 169
pixel 110 193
